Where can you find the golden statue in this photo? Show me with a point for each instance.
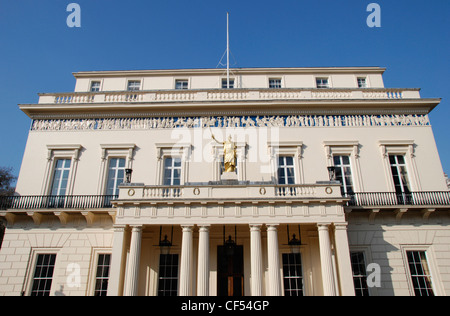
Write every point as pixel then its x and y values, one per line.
pixel 229 154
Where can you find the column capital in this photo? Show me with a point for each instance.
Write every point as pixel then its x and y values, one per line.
pixel 340 226
pixel 255 227
pixel 204 228
pixel 323 226
pixel 187 228
pixel 119 228
pixel 136 228
pixel 272 227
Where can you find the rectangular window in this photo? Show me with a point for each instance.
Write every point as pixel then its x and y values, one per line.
pixel 95 86
pixel 359 273
pixel 224 83
pixel 43 275
pixel 292 274
pixel 274 83
pixel 362 83
pixel 60 177
pixel 286 170
pixel 322 83
pixel 344 174
pixel 181 84
pixel 116 175
pixel 172 171
pixel 102 276
pixel 400 178
pixel 134 85
pixel 168 275
pixel 420 273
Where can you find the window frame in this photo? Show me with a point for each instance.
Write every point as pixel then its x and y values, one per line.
pixel 113 151
pixel 285 167
pixel 279 83
pixel 159 275
pixel 405 148
pixel 366 83
pixel 177 150
pixel 91 85
pixel 431 260
pixel 224 83
pixel 302 276
pixel 29 279
pixel 321 85
pixel 342 166
pixel 58 152
pixel 133 89
pixel 172 169
pixel 346 148
pixel 287 148
pixel 183 87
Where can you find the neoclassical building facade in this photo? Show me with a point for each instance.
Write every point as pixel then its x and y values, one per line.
pixel 337 189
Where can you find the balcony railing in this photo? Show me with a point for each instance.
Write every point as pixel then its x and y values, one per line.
pixel 425 198
pixel 56 201
pixel 158 96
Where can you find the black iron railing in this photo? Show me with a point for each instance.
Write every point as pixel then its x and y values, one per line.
pixel 392 198
pixel 56 201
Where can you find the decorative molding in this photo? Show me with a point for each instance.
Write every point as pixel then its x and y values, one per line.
pixel 147 123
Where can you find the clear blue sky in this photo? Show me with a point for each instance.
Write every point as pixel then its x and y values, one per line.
pixel 39 52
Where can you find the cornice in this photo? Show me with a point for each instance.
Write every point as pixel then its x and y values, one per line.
pixel 220 71
pixel 238 107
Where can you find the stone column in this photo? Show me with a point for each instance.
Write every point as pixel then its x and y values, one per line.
pixel 274 261
pixel 329 288
pixel 133 262
pixel 256 259
pixel 203 262
pixel 343 260
pixel 116 273
pixel 186 261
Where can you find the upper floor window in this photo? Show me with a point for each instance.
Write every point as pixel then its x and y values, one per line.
pixel 286 174
pixel 362 82
pixel 172 171
pixel 95 86
pixel 344 173
pixel 275 83
pixel 181 84
pixel 60 177
pixel 116 175
pixel 225 83
pixel 322 83
pixel 134 85
pixel 400 176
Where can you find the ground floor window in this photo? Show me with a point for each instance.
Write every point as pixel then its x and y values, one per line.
pixel 292 274
pixel 102 276
pixel 43 275
pixel 359 273
pixel 168 275
pixel 420 273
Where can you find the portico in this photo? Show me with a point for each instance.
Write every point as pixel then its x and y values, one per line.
pixel 230 246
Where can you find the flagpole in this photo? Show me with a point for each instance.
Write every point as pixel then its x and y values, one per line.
pixel 228 52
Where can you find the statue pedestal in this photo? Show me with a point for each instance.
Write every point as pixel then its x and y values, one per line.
pixel 229 178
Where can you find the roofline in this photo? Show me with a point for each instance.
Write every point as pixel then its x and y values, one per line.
pixel 203 71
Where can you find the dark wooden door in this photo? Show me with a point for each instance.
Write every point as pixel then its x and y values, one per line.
pixel 230 271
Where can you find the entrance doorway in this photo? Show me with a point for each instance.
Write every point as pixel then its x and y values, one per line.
pixel 230 270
